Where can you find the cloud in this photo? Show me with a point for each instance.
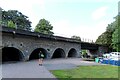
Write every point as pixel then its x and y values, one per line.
pixel 99 13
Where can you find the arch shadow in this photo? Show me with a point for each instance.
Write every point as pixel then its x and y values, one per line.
pixel 34 54
pixel 11 54
pixel 72 53
pixel 58 53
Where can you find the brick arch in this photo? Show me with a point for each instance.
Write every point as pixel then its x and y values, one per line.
pixel 58 53
pixel 72 52
pixel 35 52
pixel 11 54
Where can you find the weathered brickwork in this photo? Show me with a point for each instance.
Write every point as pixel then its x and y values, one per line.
pixel 27 44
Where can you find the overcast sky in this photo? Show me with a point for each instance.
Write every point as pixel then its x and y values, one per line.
pixel 84 18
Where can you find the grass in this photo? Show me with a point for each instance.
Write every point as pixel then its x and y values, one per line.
pixel 106 71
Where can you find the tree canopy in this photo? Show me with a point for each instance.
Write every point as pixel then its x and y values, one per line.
pixel 111 37
pixel 76 37
pixel 11 24
pixel 116 34
pixel 44 27
pixel 16 18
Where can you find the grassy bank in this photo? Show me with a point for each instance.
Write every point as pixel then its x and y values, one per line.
pixel 106 71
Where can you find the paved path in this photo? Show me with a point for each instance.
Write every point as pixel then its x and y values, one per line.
pixel 57 64
pixel 25 70
pixel 31 69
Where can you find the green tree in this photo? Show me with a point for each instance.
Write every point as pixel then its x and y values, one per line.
pixel 17 18
pixel 76 37
pixel 116 34
pixel 44 27
pixel 106 37
pixel 115 39
pixel 101 39
pixel 111 37
pixel 11 24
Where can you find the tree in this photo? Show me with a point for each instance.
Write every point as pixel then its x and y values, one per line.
pixel 111 37
pixel 101 39
pixel 115 40
pixel 76 37
pixel 116 35
pixel 11 24
pixel 106 37
pixel 44 27
pixel 17 18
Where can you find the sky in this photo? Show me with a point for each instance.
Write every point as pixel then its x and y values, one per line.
pixel 85 18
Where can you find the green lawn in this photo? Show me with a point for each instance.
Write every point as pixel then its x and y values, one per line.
pixel 106 71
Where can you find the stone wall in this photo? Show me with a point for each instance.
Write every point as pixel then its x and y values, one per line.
pixel 27 44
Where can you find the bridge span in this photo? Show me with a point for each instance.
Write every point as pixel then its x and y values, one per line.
pixel 25 45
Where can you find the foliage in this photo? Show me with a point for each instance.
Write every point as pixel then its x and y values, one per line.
pixel 116 35
pixel 17 18
pixel 105 39
pixel 111 36
pixel 11 24
pixel 44 27
pixel 101 39
pixel 84 52
pixel 76 37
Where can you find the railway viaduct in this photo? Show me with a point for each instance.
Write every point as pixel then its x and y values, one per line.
pixel 24 45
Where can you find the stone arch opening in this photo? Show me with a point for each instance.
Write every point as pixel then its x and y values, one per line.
pixel 72 53
pixel 59 53
pixel 34 54
pixel 11 54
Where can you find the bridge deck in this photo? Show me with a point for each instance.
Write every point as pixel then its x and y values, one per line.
pixel 39 35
